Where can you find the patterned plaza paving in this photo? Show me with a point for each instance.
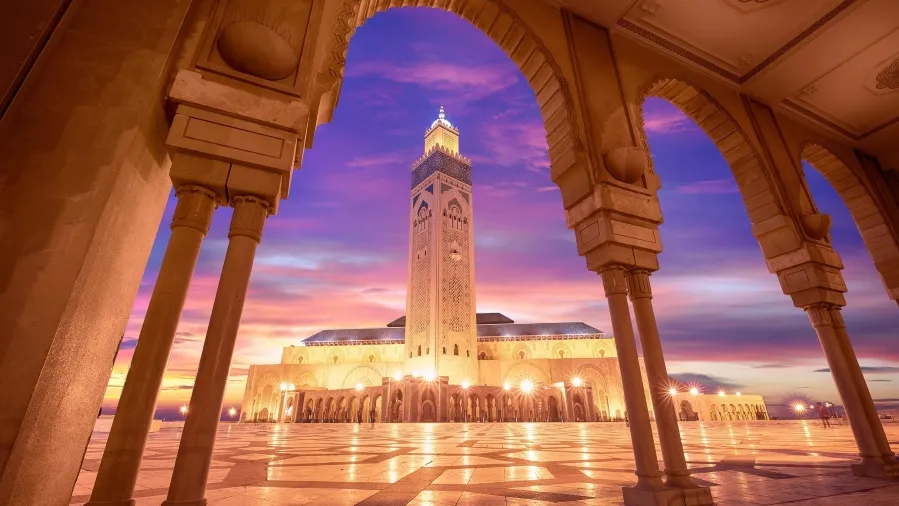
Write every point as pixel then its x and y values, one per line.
pixel 745 463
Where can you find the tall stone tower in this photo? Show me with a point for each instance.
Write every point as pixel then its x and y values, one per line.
pixel 441 332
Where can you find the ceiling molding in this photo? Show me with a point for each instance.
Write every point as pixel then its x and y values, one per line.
pixel 664 43
pixel 800 109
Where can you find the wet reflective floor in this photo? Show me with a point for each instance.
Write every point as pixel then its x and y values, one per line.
pixel 745 463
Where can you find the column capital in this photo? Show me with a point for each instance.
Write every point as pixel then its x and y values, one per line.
pixel 820 314
pixel 614 279
pixel 195 207
pixel 638 286
pixel 836 315
pixel 249 217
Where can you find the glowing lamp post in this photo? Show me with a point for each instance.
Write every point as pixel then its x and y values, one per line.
pixel 694 391
pixel 576 382
pixel 672 392
pixel 232 412
pixel 183 411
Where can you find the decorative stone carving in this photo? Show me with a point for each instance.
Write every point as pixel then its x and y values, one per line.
pixel 256 49
pixel 613 280
pixel 888 78
pixel 816 225
pixel 638 285
pixel 626 164
pixel 195 207
pixel 819 314
pixel 249 217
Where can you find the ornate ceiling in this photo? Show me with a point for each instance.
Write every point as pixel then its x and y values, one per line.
pixel 833 62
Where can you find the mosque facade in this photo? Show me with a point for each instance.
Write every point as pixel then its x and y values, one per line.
pixel 443 361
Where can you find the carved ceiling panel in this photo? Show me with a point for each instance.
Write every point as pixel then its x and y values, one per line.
pixel 737 35
pixel 860 94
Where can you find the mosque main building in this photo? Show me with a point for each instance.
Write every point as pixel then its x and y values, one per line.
pixel 443 361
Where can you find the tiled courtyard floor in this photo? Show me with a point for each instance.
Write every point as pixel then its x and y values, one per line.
pixel 745 463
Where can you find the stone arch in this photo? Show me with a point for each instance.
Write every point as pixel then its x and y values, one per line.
pixel 869 217
pixel 306 379
pixel 752 174
pixel 368 376
pixel 515 37
pixel 527 370
pixel 484 352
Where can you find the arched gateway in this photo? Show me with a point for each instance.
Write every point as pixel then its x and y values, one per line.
pixel 179 96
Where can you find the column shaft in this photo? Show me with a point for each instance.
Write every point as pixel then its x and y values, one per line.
pixel 821 318
pixel 861 388
pixel 648 474
pixel 198 437
pixel 657 374
pixel 118 471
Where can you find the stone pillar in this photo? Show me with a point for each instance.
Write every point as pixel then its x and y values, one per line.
pixel 863 394
pixel 649 482
pixel 822 320
pixel 678 475
pixel 121 458
pixel 198 438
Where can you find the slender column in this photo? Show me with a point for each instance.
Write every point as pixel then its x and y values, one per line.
pixel 648 474
pixel 128 437
pixel 862 392
pixel 198 437
pixel 822 320
pixel 640 293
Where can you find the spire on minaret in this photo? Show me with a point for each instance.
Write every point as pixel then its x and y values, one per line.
pixel 442 133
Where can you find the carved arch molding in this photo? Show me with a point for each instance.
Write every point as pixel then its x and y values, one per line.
pixel 503 25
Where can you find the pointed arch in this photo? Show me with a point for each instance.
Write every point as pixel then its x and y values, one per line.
pixel 869 217
pixel 752 175
pixel 516 38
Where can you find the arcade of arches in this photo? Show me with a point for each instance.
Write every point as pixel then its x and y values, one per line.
pixel 106 105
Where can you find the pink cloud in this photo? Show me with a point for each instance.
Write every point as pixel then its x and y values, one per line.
pixel 726 185
pixel 666 122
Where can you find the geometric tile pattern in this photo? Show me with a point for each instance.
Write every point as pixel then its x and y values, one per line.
pixel 798 463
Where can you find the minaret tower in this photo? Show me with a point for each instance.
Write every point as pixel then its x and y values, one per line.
pixel 441 332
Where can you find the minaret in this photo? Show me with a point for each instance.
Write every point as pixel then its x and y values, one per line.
pixel 441 333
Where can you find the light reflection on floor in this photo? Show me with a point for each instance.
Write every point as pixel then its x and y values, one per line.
pixel 745 463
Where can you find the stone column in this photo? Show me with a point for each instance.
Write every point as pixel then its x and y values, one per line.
pixel 863 394
pixel 125 447
pixel 198 437
pixel 822 320
pixel 676 470
pixel 649 481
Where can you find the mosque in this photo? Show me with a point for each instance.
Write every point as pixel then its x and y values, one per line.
pixel 443 361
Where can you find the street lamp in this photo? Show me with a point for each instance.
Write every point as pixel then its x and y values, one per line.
pixel 721 393
pixel 183 410
pixel 232 412
pixel 694 391
pixel 358 387
pixel 672 392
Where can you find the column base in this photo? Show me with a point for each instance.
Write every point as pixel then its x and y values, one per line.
pixel 876 468
pixel 126 502
pixel 659 497
pixel 190 502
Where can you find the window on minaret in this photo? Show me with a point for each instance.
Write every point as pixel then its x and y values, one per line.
pixel 455 349
pixel 468 353
pixel 419 350
pixel 444 350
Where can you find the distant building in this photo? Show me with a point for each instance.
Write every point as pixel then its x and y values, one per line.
pixel 443 361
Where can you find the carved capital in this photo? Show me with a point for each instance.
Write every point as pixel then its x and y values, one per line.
pixel 194 209
pixel 613 280
pixel 249 217
pixel 638 286
pixel 836 315
pixel 820 315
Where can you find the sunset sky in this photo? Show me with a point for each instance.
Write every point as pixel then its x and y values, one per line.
pixel 335 256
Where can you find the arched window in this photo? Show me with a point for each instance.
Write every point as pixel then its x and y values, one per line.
pixel 428 350
pixel 521 355
pixel 482 355
pixel 455 349
pixel 419 350
pixel 371 358
pixel 444 350
pixel 335 358
pixel 561 353
pixel 300 359
pixel 468 353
